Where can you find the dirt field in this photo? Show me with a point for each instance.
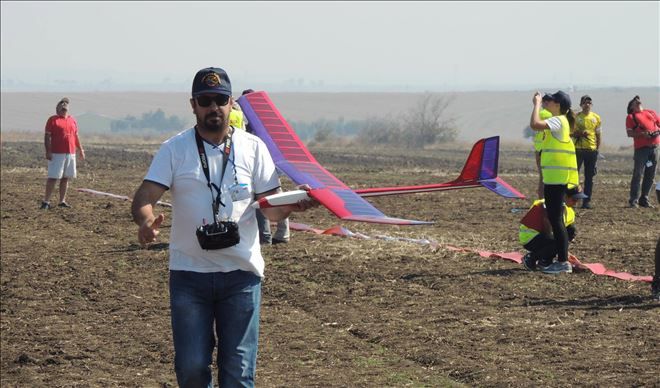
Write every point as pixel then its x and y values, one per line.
pixel 83 305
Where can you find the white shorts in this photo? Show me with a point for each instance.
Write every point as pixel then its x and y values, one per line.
pixel 62 166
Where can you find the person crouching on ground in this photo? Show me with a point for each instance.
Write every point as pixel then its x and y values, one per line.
pixel 535 231
pixel 558 167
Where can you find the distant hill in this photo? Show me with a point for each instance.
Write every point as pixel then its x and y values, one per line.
pixel 478 114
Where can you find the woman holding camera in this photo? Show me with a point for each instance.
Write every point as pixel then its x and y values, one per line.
pixel 558 168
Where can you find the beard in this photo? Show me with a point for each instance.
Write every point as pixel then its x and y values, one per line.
pixel 212 122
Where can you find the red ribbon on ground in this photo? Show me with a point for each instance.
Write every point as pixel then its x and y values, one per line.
pixel 595 268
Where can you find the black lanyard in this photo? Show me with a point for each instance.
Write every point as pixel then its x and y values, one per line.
pixel 217 200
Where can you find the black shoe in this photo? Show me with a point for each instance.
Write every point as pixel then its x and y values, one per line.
pixel 633 205
pixel 646 205
pixel 278 241
pixel 64 204
pixel 528 262
pixel 586 205
pixel 45 205
pixel 655 288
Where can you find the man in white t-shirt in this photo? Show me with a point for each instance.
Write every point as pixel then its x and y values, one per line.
pixel 214 173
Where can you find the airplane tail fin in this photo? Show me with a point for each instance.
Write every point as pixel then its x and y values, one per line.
pixel 480 170
pixel 481 166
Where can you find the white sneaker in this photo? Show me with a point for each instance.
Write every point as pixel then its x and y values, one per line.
pixel 558 267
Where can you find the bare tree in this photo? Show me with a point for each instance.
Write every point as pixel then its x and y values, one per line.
pixel 427 122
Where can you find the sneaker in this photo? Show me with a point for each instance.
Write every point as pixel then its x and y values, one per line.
pixel 541 265
pixel 64 204
pixel 633 205
pixel 528 262
pixel 586 205
pixel 646 205
pixel 655 288
pixel 278 241
pixel 45 205
pixel 558 267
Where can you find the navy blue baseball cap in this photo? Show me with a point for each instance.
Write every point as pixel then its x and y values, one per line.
pixel 561 98
pixel 212 80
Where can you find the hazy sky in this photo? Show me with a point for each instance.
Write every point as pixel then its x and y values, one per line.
pixel 335 46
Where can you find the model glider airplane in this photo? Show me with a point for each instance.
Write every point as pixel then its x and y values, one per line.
pixel 294 159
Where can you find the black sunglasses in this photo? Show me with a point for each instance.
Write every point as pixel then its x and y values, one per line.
pixel 205 101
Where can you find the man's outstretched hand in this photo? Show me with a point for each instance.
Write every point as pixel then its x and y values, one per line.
pixel 149 230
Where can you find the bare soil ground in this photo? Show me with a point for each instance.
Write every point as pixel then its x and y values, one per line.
pixel 83 305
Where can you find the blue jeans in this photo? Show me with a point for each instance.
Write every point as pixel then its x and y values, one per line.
pixel 232 301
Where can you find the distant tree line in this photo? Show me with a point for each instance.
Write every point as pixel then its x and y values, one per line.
pixel 426 123
pixel 157 121
pixel 324 128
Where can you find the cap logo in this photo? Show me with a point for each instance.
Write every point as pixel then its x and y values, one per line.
pixel 211 80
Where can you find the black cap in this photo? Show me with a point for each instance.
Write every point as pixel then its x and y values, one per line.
pixel 576 193
pixel 247 91
pixel 547 97
pixel 562 99
pixel 212 80
pixel 584 99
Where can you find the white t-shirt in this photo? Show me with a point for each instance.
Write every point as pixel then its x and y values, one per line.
pixel 177 166
pixel 555 126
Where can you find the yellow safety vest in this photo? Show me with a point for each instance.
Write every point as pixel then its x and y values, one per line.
pixel 558 162
pixel 539 135
pixel 527 233
pixel 236 119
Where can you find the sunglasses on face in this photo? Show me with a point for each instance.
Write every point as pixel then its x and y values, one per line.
pixel 205 101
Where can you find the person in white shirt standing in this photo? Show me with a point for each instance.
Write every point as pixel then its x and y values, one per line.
pixel 214 173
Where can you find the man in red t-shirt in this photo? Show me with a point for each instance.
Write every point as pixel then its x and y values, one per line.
pixel 61 140
pixel 643 126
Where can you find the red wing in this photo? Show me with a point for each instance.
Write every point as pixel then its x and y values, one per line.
pixel 294 159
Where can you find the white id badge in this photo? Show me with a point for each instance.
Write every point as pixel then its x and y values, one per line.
pixel 239 192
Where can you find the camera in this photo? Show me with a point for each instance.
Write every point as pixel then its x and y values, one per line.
pixel 218 235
